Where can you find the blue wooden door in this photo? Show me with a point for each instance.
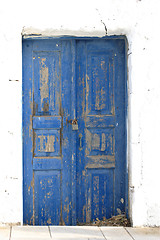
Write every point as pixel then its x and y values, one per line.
pixel 101 155
pixel 73 130
pixel 46 146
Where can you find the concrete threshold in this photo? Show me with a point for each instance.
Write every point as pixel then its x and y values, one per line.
pixel 78 233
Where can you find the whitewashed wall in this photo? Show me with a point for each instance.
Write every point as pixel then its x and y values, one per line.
pixel 139 21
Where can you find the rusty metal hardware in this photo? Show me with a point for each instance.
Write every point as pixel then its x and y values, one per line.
pixel 80 141
pixel 74 123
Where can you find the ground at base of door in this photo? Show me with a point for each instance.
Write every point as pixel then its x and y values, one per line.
pixel 119 220
pixel 78 233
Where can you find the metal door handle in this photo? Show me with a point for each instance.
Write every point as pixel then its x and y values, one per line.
pixel 80 141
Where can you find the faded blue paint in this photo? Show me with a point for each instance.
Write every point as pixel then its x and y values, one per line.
pixel 101 163
pixel 71 175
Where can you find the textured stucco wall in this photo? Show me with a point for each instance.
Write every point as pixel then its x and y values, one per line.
pixel 139 21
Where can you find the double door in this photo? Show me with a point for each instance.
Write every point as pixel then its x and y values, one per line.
pixel 74 138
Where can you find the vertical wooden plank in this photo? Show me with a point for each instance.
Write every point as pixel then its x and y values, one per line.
pixel 28 178
pixel 83 206
pixel 120 130
pixel 46 73
pixel 74 133
pixel 126 125
pixel 65 110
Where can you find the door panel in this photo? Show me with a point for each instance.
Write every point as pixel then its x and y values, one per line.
pixel 100 92
pixel 47 81
pixel 101 194
pixel 47 105
pixel 101 119
pixel 73 175
pixel 47 197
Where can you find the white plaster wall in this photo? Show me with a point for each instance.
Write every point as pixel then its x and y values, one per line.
pixel 139 21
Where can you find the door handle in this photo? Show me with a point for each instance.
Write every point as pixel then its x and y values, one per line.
pixel 80 141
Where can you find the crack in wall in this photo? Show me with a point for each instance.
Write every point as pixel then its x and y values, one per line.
pixel 105 27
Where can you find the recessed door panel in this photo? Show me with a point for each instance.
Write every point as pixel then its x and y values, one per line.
pixel 47 82
pixel 47 197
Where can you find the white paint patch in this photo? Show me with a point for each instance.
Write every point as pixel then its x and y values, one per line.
pixel 122 200
pixel 119 211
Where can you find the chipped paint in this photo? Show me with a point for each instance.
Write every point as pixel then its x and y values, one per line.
pixel 119 211
pixel 100 165
pixel 97 104
pixel 83 97
pixel 67 209
pixel 95 141
pixel 88 207
pixel 30 127
pixel 49 221
pixel 87 94
pixel 103 144
pixel 46 143
pixel 66 141
pixel 33 189
pixel 96 195
pixel 44 88
pixel 88 142
pixel 29 188
pixel 122 200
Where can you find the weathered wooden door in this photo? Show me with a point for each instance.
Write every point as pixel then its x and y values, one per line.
pixel 47 157
pixel 101 159
pixel 74 162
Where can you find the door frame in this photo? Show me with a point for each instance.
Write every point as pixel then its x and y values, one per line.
pixel 73 113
